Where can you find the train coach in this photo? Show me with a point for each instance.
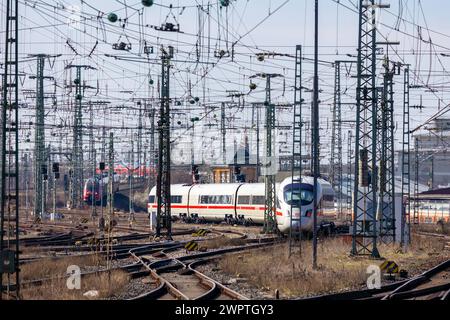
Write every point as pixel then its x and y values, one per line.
pixel 245 202
pixel 96 189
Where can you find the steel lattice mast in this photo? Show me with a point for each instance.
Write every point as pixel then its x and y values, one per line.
pixel 270 222
pixel 364 233
pixel 77 179
pixel 92 154
pixel 139 142
pixel 152 149
pixel 406 163
pixel 336 138
pixel 39 139
pixel 223 131
pixel 416 219
pixel 164 218
pixel 297 144
pixel 385 127
pixel 349 174
pixel 9 218
pixel 77 151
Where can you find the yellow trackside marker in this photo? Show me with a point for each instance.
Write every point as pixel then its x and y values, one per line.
pixel 389 267
pixel 191 246
pixel 200 233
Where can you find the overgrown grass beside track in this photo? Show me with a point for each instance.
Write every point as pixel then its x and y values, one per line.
pixel 438 228
pixel 47 268
pixel 271 268
pixel 106 283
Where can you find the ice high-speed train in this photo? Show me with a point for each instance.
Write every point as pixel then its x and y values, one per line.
pixel 242 202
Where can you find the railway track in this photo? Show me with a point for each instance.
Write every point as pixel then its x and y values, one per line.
pixel 433 284
pixel 124 251
pixel 86 242
pixel 177 278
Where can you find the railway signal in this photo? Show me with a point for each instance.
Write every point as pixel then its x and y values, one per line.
pixel 195 175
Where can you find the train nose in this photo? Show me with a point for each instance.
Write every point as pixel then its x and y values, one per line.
pixel 87 195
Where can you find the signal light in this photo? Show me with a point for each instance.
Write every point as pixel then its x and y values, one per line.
pixel 195 174
pixel 55 167
pixel 364 168
pixel 102 166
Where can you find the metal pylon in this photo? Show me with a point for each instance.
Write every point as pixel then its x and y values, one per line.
pixel 92 155
pixel 364 232
pixel 77 150
pixel 9 218
pixel 163 194
pixel 336 138
pixel 386 196
pixel 139 142
pixel 270 217
pixel 223 131
pixel 77 178
pixel 111 181
pixel 296 164
pixel 131 170
pixel 39 138
pixel 152 149
pixel 110 215
pixel 350 157
pixel 406 163
pixel 416 219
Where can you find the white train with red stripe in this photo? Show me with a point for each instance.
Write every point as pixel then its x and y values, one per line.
pixel 245 202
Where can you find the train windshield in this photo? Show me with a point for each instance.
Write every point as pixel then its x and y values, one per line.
pixel 298 194
pixel 91 186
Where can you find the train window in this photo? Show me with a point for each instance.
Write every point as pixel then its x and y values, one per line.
pixel 298 194
pixel 176 199
pixel 204 199
pixel 216 199
pixel 258 200
pixel 244 200
pixel 151 199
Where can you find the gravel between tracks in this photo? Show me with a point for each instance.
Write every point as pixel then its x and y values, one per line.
pixel 239 285
pixel 134 288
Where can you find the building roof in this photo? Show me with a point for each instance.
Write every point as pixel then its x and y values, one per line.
pixel 438 194
pixel 445 191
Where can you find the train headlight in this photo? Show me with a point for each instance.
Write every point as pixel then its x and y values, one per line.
pixel 308 213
